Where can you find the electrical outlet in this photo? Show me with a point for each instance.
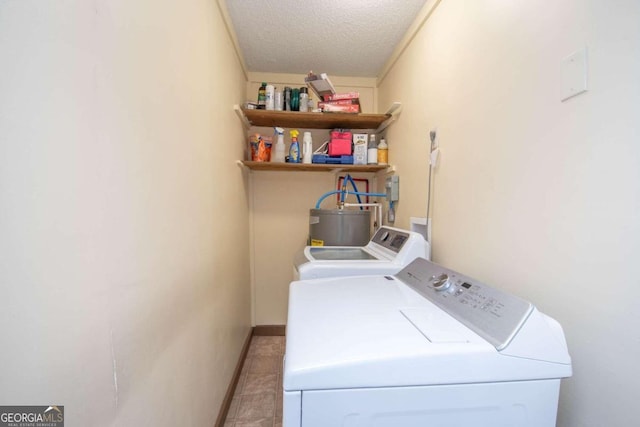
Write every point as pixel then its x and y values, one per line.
pixel 392 185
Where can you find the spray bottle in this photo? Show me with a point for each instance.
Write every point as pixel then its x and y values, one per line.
pixel 279 155
pixel 294 149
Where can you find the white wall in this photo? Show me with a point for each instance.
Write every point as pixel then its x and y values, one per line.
pixel 122 296
pixel 536 196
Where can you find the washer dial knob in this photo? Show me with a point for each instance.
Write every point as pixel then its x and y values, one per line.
pixel 440 282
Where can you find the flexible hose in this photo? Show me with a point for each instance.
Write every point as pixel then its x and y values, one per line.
pixel 325 195
pixel 355 188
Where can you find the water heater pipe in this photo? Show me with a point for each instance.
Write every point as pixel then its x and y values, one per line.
pixel 325 195
pixel 378 209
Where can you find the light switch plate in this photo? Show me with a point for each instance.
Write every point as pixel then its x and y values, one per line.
pixel 574 74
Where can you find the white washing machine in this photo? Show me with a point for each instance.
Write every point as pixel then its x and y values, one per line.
pixel 389 251
pixel 426 347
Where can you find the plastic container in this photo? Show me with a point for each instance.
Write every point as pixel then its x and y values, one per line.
pixel 269 97
pixel 260 148
pixel 278 100
pixel 295 99
pixel 304 100
pixel 262 96
pixel 278 155
pixel 383 152
pixel 307 147
pixel 372 150
pixel 287 98
pixel 294 148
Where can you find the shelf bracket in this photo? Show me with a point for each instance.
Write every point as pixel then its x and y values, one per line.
pixel 242 117
pixel 394 110
pixel 242 166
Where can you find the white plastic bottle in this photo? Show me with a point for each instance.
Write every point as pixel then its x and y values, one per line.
pixel 372 150
pixel 269 97
pixel 278 100
pixel 280 148
pixel 307 148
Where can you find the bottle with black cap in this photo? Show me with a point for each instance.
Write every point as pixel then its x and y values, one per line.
pixel 372 150
pixel 262 96
pixel 304 99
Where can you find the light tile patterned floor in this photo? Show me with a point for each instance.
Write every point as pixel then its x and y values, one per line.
pixel 257 401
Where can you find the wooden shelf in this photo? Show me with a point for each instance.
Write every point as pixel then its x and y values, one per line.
pixel 295 119
pixel 270 166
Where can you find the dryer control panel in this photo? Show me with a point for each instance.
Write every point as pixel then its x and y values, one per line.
pixel 391 239
pixel 494 315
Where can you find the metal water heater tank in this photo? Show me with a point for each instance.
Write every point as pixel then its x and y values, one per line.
pixel 339 227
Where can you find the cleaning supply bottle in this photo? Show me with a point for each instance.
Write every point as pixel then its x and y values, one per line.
pixel 262 96
pixel 279 154
pixel 304 100
pixel 372 150
pixel 269 94
pixel 383 152
pixel 294 149
pixel 307 147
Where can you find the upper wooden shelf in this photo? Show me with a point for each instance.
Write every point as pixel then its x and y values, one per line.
pixel 296 119
pixel 314 167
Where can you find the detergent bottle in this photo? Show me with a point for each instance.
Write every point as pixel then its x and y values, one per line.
pixel 294 149
pixel 307 148
pixel 279 154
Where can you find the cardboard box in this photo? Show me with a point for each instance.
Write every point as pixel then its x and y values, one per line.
pixel 341 105
pixel 330 108
pixel 360 148
pixel 340 102
pixel 337 96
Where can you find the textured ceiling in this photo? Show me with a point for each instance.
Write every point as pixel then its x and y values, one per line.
pixel 337 37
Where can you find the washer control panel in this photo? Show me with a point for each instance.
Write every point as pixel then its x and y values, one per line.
pixel 393 240
pixel 494 315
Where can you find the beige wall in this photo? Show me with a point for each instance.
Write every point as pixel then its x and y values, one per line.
pixel 536 196
pixel 123 216
pixel 281 203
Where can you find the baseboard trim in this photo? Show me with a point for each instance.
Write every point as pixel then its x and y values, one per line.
pixel 260 330
pixel 226 402
pixel 269 330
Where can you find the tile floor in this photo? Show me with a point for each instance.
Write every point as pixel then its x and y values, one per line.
pixel 257 401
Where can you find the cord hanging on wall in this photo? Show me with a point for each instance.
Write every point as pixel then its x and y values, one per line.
pixel 434 152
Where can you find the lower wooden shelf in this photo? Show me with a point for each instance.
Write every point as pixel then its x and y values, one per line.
pixel 314 167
